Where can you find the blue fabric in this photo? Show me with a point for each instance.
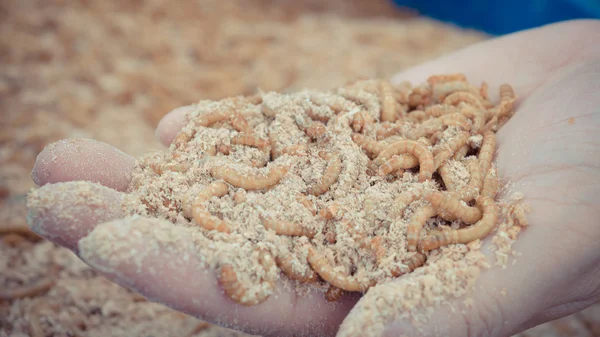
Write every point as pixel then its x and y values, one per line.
pixel 506 16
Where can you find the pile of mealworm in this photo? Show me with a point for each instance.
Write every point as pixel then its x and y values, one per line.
pixel 371 132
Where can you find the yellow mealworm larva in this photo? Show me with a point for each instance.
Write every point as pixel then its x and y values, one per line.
pixel 491 125
pixel 456 119
pixel 441 90
pixel 507 93
pixel 439 238
pixel 251 181
pixel 169 167
pixel 181 139
pixel 416 224
pixel 332 172
pixel 490 184
pixel 286 264
pixel 250 140
pixel 447 150
pixel 456 77
pixel 415 148
pixel 333 294
pixel 477 116
pixel 416 116
pixel 413 262
pixel 295 150
pixel 448 203
pixel 483 90
pixel 281 227
pixel 473 188
pixel 236 291
pixel 461 153
pixel 438 110
pixel 388 102
pixel 239 122
pixel 406 198
pixel 427 128
pixel 361 120
pixel 399 162
pixel 332 211
pixel 448 176
pixel 224 149
pixel 335 103
pixel 303 199
pixel 371 146
pixel 487 151
pixel 518 213
pixel 387 129
pixel 466 97
pixel 320 264
pixel 213 117
pixel 315 130
pixel 201 216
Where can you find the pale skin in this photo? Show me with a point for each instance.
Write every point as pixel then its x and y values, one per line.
pixel 550 150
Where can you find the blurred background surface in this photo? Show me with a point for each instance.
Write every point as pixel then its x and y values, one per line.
pixel 110 70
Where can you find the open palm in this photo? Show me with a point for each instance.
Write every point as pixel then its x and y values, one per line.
pixel 550 151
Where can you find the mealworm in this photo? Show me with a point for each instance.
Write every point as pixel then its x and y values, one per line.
pixel 490 184
pixel 181 139
pixel 427 128
pixel 321 265
pixel 416 224
pixel 438 110
pixel 507 93
pixel 332 172
pixel 456 119
pixel 483 91
pixel 399 162
pixel 477 116
pixel 236 290
pixel 361 120
pixel 415 148
pixel 448 176
pixel 442 90
pixel 250 140
pixel 170 167
pixel 461 153
pixel 456 77
pixel 447 150
pixel 416 116
pixel 413 262
pixel 448 203
pixel 491 125
pixel 487 151
pixel 335 103
pixel 29 290
pixel 251 181
pixel 518 213
pixel 303 199
pixel 286 264
pixel 388 102
pixel 406 198
pixel 371 146
pixel 295 150
pixel 466 97
pixel 386 130
pixel 281 227
pixel 239 122
pixel 212 117
pixel 333 294
pixel 438 238
pixel 224 149
pixel 332 211
pixel 201 216
pixel 315 130
pixel 475 183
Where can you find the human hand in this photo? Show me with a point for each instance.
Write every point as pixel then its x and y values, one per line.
pixel 552 69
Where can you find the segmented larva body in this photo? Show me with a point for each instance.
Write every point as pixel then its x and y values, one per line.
pixel 441 90
pixel 332 172
pixel 249 181
pixel 461 153
pixel 239 122
pixel 466 97
pixel 250 140
pixel 371 146
pixel 386 130
pixel 491 125
pixel 406 198
pixel 473 188
pixel 333 294
pixel 170 167
pixel 490 184
pixel 333 211
pixel 295 150
pixel 399 162
pixel 438 238
pixel 212 117
pixel 201 216
pixel 448 203
pixel 362 120
pixel 315 130
pixel 477 117
pixel 388 102
pixel 415 148
pixel 438 110
pixel 416 224
pixel 442 78
pixel 456 119
pixel 487 151
pixel 282 227
pixel 447 150
pixel 303 199
pixel 321 265
pixel 286 264
pixel 448 176
pixel 412 262
pixel 237 292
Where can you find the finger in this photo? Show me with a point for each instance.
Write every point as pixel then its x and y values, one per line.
pixel 524 59
pixel 83 159
pixel 168 263
pixel 66 212
pixel 172 123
